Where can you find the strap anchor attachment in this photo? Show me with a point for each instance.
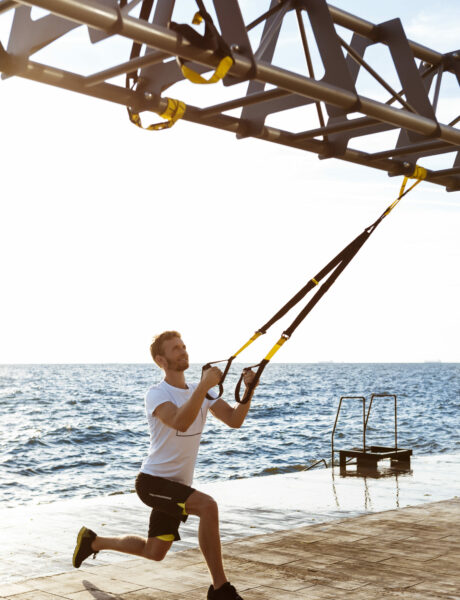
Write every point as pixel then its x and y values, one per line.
pixel 211 40
pixel 175 110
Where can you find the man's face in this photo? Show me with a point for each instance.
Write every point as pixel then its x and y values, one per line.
pixel 175 354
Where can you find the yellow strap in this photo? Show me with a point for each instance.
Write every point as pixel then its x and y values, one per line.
pixel 182 505
pixel 168 537
pixel 248 343
pixel 275 348
pixel 314 281
pixel 197 19
pixel 174 111
pixel 419 174
pixel 222 69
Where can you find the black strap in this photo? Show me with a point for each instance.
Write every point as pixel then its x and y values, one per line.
pixel 334 267
pixel 351 251
pixel 211 40
pixel 338 263
pixel 308 287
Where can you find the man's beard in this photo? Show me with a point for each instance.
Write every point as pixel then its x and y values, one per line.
pixel 178 365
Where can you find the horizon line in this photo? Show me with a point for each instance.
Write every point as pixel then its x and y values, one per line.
pixel 319 362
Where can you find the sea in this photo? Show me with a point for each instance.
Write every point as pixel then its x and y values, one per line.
pixel 79 431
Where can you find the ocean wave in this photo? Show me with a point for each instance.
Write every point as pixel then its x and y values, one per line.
pixel 62 427
pixel 81 464
pixel 280 469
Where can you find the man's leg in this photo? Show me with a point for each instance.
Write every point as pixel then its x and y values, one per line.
pixel 155 547
pixel 151 548
pixel 206 509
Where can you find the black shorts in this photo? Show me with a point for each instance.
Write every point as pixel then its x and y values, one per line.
pixel 164 497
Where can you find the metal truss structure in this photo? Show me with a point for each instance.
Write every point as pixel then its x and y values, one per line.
pixel 341 112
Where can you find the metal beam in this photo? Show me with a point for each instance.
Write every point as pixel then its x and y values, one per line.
pixel 7 5
pixel 355 103
pixel 348 125
pixel 414 148
pixel 291 89
pixel 105 91
pixel 256 98
pixel 126 67
pixel 107 19
pixel 85 12
pixel 444 172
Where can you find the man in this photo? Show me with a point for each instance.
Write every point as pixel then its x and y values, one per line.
pixel 176 413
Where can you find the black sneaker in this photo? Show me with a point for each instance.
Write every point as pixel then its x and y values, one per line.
pixel 225 592
pixel 83 548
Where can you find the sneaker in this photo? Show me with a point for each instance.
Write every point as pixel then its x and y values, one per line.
pixel 83 548
pixel 225 592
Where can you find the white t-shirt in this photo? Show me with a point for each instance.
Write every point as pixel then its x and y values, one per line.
pixel 172 453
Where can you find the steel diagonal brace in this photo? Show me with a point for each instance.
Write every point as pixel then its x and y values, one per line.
pixel 371 31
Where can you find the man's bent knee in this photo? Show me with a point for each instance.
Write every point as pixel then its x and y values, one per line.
pixel 201 504
pixel 156 549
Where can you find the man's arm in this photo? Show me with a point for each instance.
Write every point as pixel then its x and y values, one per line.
pixel 180 418
pixel 233 416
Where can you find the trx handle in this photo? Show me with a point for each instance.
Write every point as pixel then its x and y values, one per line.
pixel 224 375
pixel 249 392
pixel 229 364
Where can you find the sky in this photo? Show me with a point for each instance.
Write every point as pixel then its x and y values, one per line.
pixel 110 234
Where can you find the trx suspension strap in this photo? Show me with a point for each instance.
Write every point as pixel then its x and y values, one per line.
pixel 211 40
pixel 175 108
pixel 331 272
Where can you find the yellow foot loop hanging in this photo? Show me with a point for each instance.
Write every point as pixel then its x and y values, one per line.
pixel 175 110
pixel 211 40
